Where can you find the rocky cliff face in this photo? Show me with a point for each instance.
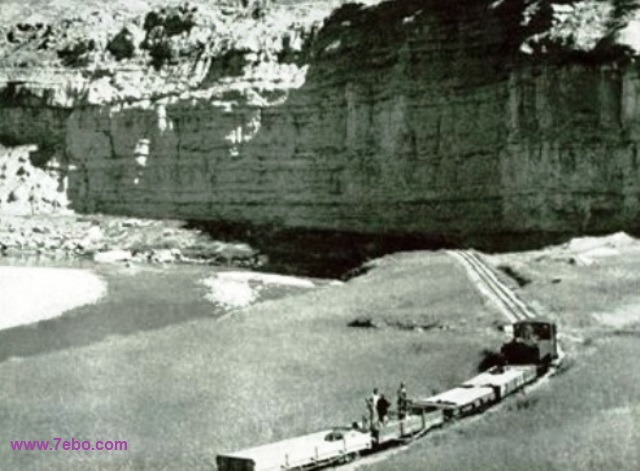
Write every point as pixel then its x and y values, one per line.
pixel 401 118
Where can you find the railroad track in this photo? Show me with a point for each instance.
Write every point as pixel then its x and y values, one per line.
pixel 541 355
pixel 485 279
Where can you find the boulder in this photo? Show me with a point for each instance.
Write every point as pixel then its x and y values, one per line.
pixel 165 255
pixel 94 234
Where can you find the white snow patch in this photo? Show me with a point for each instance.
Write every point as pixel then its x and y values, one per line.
pixel 604 251
pixel 237 289
pixel 266 278
pixel 229 293
pixel 590 244
pixel 32 294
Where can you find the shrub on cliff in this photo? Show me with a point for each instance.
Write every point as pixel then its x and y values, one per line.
pixel 169 50
pixel 76 54
pixel 174 21
pixel 38 34
pixel 167 31
pixel 125 44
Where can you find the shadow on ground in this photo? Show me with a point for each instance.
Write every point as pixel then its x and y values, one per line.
pixel 343 255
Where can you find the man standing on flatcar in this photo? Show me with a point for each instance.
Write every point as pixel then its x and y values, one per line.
pixel 402 401
pixel 372 405
pixel 383 408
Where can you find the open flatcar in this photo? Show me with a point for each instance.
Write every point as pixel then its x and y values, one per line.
pixel 526 357
pixel 315 449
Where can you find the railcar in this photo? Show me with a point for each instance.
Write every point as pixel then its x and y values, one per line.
pixel 339 444
pixel 407 428
pixel 460 401
pixel 504 380
pixel 526 357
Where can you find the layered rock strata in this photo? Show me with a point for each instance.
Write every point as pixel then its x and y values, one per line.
pixel 402 118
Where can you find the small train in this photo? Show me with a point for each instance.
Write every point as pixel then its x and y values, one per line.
pixel 530 354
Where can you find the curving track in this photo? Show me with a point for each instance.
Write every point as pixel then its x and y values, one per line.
pixel 485 279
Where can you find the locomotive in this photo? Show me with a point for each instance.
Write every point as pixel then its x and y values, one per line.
pixel 534 343
pixel 531 352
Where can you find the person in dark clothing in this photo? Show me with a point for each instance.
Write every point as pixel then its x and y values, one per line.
pixel 383 408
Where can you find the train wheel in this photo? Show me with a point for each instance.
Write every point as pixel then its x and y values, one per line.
pixel 349 457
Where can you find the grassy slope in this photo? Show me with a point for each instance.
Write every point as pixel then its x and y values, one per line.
pixel 580 293
pixel 587 418
pixel 181 394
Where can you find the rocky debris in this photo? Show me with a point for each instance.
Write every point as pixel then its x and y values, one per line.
pixel 27 189
pixel 165 256
pixel 132 223
pixel 71 41
pixel 585 251
pixel 115 240
pixel 551 26
pixel 94 234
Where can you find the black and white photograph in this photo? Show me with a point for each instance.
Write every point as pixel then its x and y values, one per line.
pixel 300 235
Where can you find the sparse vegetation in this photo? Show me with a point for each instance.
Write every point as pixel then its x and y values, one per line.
pixel 584 419
pixel 515 274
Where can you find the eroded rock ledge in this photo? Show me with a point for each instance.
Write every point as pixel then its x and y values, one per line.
pixel 406 117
